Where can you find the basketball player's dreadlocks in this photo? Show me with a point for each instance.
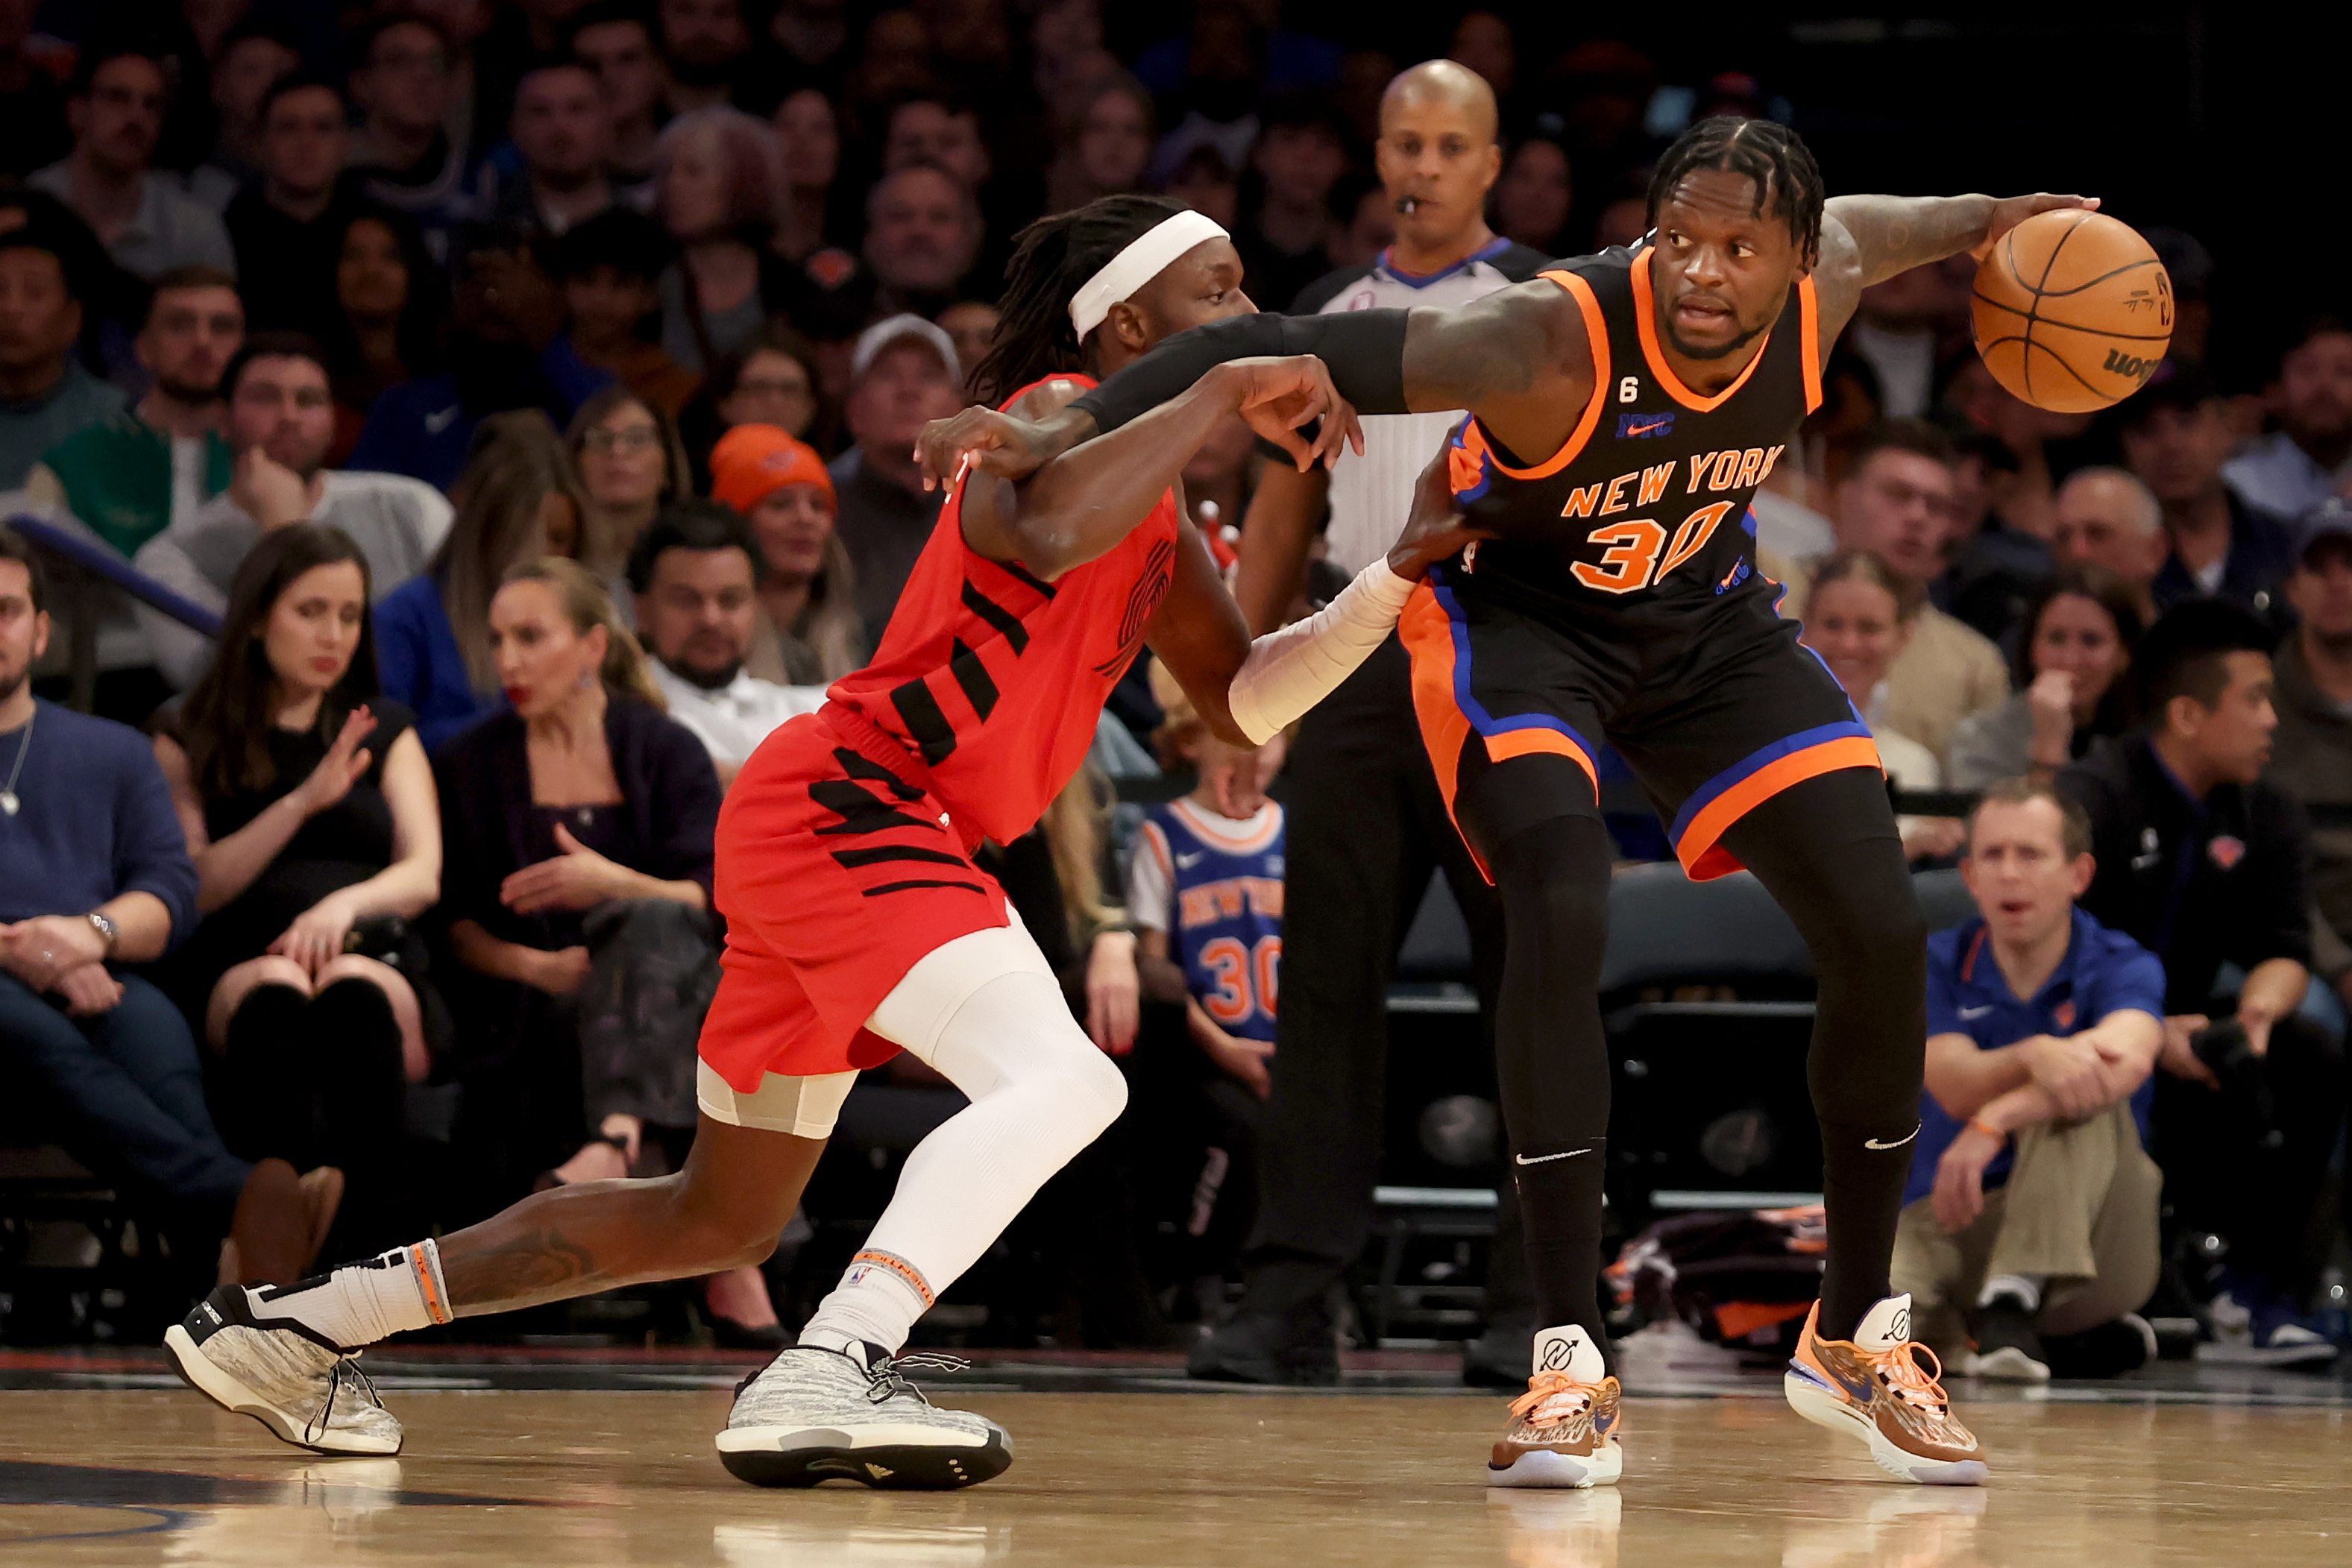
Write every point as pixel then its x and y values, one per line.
pixel 1773 156
pixel 1052 259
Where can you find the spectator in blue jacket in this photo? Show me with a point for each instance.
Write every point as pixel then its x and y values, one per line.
pixel 2032 1210
pixel 507 350
pixel 519 499
pixel 95 874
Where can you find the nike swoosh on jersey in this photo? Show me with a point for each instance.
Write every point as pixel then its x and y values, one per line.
pixel 1539 1159
pixel 1186 863
pixel 434 424
pixel 1874 1144
pixel 1645 429
pixel 1976 1012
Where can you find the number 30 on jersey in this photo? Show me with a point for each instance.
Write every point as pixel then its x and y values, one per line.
pixel 1637 552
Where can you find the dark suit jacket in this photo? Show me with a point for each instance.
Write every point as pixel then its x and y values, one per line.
pixel 670 797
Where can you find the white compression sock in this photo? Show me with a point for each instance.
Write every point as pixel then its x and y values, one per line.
pixel 362 1303
pixel 986 1012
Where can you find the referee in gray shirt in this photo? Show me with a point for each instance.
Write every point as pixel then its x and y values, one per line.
pixel 1366 826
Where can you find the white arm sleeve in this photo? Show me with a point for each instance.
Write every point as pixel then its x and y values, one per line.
pixel 1290 671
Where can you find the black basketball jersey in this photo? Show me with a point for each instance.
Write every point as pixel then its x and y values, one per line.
pixel 1646 503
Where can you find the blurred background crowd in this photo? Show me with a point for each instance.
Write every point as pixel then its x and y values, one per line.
pixel 453 432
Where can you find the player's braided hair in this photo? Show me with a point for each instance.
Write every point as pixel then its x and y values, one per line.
pixel 1771 155
pixel 1052 259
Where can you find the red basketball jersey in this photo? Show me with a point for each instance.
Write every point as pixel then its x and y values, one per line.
pixel 996 677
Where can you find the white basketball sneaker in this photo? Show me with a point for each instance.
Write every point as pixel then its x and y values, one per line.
pixel 815 1415
pixel 305 1390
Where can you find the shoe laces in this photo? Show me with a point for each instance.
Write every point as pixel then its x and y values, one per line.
pixel 1914 1384
pixel 885 1379
pixel 346 1371
pixel 1544 1389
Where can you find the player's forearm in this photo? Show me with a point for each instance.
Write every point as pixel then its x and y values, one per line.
pixel 1290 671
pixel 1363 349
pixel 1083 503
pixel 1893 234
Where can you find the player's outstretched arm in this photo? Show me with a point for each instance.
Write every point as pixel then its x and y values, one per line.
pixel 1869 240
pixel 1250 691
pixel 1082 503
pixel 1519 351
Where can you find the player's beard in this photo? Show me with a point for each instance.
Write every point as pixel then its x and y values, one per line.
pixel 1674 341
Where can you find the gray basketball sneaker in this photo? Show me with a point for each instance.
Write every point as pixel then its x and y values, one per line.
pixel 814 1415
pixel 305 1390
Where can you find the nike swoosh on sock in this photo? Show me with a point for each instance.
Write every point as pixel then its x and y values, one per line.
pixel 1539 1159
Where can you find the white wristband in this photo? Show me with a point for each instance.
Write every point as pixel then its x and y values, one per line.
pixel 1290 671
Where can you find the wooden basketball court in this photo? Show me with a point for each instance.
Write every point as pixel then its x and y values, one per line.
pixel 104 1461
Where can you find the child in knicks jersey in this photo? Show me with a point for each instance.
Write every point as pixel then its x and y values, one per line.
pixel 1204 890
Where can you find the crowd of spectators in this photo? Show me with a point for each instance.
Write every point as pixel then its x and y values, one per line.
pixel 530 388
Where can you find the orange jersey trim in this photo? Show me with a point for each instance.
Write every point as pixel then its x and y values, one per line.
pixel 1699 849
pixel 1597 334
pixel 1809 322
pixel 1646 325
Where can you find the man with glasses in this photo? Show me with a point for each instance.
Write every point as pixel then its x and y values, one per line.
pixel 116 106
pixel 281 420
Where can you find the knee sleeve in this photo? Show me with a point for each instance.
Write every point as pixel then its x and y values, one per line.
pixel 1015 1035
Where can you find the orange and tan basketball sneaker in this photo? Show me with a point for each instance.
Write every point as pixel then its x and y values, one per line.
pixel 1877 1386
pixel 1565 1430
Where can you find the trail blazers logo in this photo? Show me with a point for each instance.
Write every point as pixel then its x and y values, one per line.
pixel 1142 599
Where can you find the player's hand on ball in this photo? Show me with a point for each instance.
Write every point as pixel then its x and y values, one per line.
pixel 1434 530
pixel 2008 212
pixel 1278 397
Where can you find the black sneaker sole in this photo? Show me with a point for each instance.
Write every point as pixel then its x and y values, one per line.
pixel 885 1468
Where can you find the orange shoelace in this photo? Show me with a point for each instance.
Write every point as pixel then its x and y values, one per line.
pixel 1545 1387
pixel 1908 1378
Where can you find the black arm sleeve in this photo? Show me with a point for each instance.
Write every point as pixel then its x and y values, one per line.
pixel 1364 348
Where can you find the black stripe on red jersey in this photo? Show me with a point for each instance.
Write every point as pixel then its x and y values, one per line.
pixel 859 767
pixel 880 852
pixel 927 726
pixel 979 688
pixel 1008 625
pixel 1014 568
pixel 860 811
pixel 909 886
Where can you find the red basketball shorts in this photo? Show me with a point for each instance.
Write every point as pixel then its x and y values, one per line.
pixel 835 873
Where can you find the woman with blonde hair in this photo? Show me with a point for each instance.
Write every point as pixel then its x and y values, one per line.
pixel 577 836
pixel 1857 621
pixel 519 499
pixel 718 183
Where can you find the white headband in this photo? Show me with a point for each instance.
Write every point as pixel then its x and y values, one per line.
pixel 1138 264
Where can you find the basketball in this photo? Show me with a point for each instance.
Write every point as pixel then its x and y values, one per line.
pixel 2072 310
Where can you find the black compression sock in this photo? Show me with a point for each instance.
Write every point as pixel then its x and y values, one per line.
pixel 1861 1186
pixel 1560 1192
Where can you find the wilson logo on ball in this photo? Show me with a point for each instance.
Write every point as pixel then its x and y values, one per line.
pixel 2125 364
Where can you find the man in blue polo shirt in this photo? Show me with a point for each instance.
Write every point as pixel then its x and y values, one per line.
pixel 2031 1218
